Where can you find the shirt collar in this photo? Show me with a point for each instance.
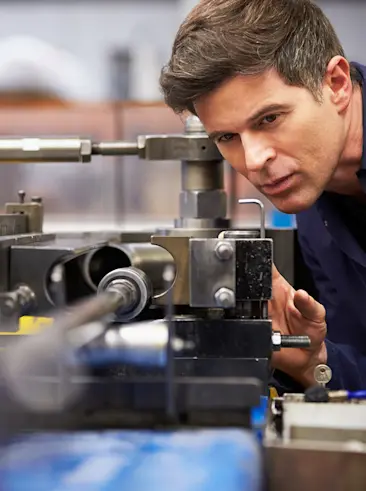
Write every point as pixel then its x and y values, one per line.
pixel 361 173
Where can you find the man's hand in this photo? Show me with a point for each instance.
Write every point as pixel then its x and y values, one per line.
pixel 297 313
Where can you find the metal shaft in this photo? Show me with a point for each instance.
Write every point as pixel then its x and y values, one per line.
pixel 34 150
pixel 202 176
pixel 38 150
pixel 92 309
pixel 115 148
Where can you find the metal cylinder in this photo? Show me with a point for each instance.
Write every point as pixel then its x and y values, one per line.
pixel 240 234
pixel 295 342
pixel 151 259
pixel 134 289
pixel 20 150
pixel 203 201
pixel 115 148
pixel 202 176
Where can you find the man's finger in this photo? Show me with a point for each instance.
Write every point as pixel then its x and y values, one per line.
pixel 309 307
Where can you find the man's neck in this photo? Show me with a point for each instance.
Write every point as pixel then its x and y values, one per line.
pixel 344 180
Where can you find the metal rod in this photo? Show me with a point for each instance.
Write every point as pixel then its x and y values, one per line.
pixel 262 213
pixel 91 310
pixel 115 148
pixel 168 276
pixel 295 341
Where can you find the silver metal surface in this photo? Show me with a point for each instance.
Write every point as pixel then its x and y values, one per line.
pixel 32 210
pixel 315 466
pixel 198 227
pixel 239 234
pixel 209 274
pixel 276 340
pixel 13 224
pixel 114 148
pixel 203 204
pixel 202 175
pixel 147 257
pixel 224 298
pixel 324 421
pixel 192 147
pixel 193 125
pixel 135 290
pixel 323 374
pixel 224 251
pixel 37 150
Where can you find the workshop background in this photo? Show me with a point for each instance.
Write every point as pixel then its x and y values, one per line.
pixel 91 68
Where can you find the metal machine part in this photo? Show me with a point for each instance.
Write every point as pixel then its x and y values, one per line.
pixel 33 264
pixel 6 245
pixel 22 217
pixel 149 258
pixel 241 271
pixel 203 202
pixel 13 224
pixel 16 303
pixel 315 465
pixel 135 288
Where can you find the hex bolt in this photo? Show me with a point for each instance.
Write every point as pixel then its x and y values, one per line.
pixel 276 340
pixel 225 298
pixel 224 251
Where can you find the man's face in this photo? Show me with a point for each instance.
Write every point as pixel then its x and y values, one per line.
pixel 279 137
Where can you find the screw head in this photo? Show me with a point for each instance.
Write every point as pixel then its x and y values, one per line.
pixel 224 251
pixel 225 298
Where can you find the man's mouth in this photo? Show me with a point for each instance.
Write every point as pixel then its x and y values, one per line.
pixel 278 186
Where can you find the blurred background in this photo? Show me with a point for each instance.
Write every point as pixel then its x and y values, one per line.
pixel 91 68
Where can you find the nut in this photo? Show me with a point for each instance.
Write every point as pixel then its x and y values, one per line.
pixel 203 204
pixel 225 298
pixel 224 251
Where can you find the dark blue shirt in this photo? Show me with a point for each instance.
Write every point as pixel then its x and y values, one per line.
pixel 337 261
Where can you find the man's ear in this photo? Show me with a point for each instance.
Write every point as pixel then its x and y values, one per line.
pixel 338 80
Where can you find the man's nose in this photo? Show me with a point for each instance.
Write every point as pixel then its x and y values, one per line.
pixel 257 153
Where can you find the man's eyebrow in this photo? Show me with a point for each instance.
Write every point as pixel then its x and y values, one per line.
pixel 264 111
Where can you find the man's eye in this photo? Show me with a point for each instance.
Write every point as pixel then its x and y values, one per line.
pixel 271 118
pixel 225 138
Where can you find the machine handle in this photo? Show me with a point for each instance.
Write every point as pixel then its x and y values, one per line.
pixel 252 201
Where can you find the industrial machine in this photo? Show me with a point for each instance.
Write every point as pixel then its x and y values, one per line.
pixel 169 331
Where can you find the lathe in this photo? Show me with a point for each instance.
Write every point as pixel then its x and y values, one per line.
pixel 167 330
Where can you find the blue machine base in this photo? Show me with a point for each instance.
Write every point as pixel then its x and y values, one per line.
pixel 195 460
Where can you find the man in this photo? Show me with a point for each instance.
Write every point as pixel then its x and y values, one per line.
pixel 271 84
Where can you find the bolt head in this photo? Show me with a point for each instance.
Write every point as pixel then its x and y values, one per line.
pixel 276 340
pixel 225 298
pixel 224 251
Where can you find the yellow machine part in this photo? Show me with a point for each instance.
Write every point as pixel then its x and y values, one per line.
pixel 30 325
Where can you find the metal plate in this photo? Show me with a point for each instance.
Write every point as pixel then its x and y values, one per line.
pixel 315 466
pixel 208 273
pixel 13 224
